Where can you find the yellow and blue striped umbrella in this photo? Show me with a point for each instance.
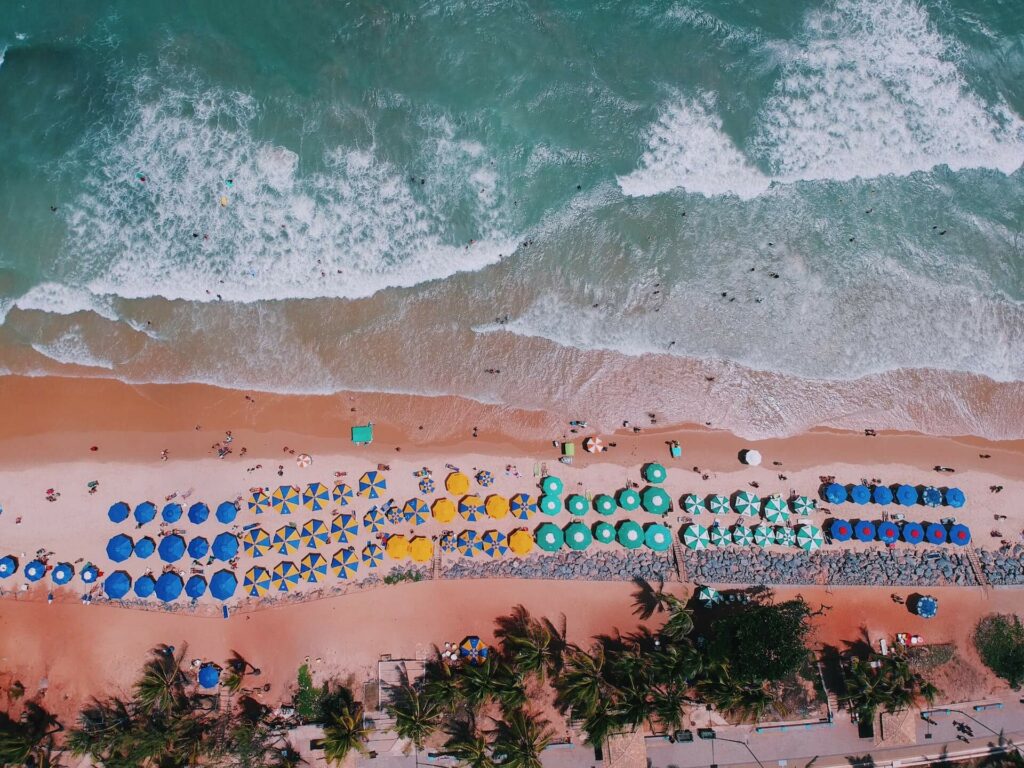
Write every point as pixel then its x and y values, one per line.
pixel 416 511
pixel 286 539
pixel 317 496
pixel 471 508
pixel 374 520
pixel 313 567
pixel 372 484
pixel 373 555
pixel 485 478
pixel 468 543
pixel 523 506
pixel 259 502
pixel 426 485
pixel 256 542
pixel 285 576
pixel 494 543
pixel 314 533
pixel 285 499
pixel 343 528
pixel 257 581
pixel 344 564
pixel 342 494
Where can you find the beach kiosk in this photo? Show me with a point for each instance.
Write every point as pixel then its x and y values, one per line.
pixel 362 435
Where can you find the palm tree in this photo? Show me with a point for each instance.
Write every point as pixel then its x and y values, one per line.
pixel 676 663
pixel 416 717
pixel 890 686
pixel 468 745
pixel 494 680
pixel 668 704
pixel 581 687
pixel 30 740
pixel 105 732
pixel 533 646
pixel 162 685
pixel 441 685
pixel 520 738
pixel 344 732
pixel 679 622
pixel 746 699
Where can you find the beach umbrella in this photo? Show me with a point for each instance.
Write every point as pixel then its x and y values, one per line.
pixel 397 547
pixel 577 536
pixel 344 563
pixel 694 504
pixel 171 548
pixel 747 503
pixel 808 538
pixel 456 484
pixel 286 539
pixel 468 543
pixel 485 478
pixel 117 585
pixel 144 547
pixel 198 547
pixel 314 533
pixel 374 520
pixel 119 548
pixel 906 495
pixel 342 494
pixel 955 497
pixel 195 587
pixel 695 536
pixel 522 506
pixel 658 537
pixel 764 535
pixel 520 542
pixel 372 484
pixel 259 502
pixel 497 506
pixel 285 499
pixel 171 513
pixel 426 485
pixel 935 533
pixel 654 473
pixel 118 512
pixel 655 500
pixel 225 546
pixel 840 529
pixel 256 581
pixel 144 586
pixel 864 530
pixel 549 505
pixel 604 532
pixel 471 508
pixel 62 574
pixel 709 596
pixel 577 504
pixel 227 511
pixel 447 542
pixel 343 528
pixel 751 457
pixel 605 504
pixel 473 650
pixel 551 485
pixel 421 549
pixel 284 576
pixel 629 499
pixel 313 567
pixel 145 512
pixel 960 535
pixel 719 505
pixel 926 607
pixel 881 494
pixel 835 493
pixel 168 587
pixel 8 566
pixel 35 570
pixel 494 543
pixel 198 513
pixel 443 510
pixel 741 535
pixel 776 510
pixel 932 496
pixel 416 511
pixel 719 535
pixel 913 533
pixel 317 497
pixel 630 534
pixel 550 537
pixel 860 494
pixel 394 515
pixel 784 536
pixel 887 532
pixel 593 444
pixel 372 555
pixel 802 505
pixel 209 676
pixel 256 542
pixel 223 585
pixel 89 574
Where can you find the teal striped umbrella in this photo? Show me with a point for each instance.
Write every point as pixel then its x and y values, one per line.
pixel 802 505
pixel 764 535
pixel 784 536
pixel 629 499
pixel 605 504
pixel 741 535
pixel 695 536
pixel 549 505
pixel 658 537
pixel 776 510
pixel 655 500
pixel 578 505
pixel 655 473
pixel 549 537
pixel 551 485
pixel 630 534
pixel 578 536
pixel 604 533
pixel 747 503
pixel 809 538
pixel 719 505
pixel 694 504
pixel 720 535
pixel 709 596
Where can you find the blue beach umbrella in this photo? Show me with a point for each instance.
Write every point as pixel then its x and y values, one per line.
pixel 888 532
pixel 89 574
pixel 426 485
pixel 117 585
pixel 913 533
pixel 223 585
pixel 935 533
pixel 960 535
pixel 227 511
pixel 118 512
pixel 144 547
pixel 209 676
pixel 144 586
pixel 171 548
pixel 926 607
pixel 865 530
pixel 195 586
pixel 198 547
pixel 932 496
pixel 906 495
pixel 8 566
pixel 168 587
pixel 119 548
pixel 198 513
pixel 549 505
pixel 955 497
pixel 860 494
pixel 225 546
pixel 145 512
pixel 35 570
pixel 835 493
pixel 62 574
pixel 171 513
pixel 882 495
pixel 840 530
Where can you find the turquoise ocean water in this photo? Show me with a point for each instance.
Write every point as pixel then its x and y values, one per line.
pixel 325 196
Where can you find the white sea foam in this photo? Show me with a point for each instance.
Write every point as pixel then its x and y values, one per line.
pixel 60 299
pixel 71 348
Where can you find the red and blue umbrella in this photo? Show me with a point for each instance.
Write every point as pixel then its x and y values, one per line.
pixel 913 533
pixel 960 535
pixel 935 533
pixel 840 530
pixel 865 530
pixel 888 532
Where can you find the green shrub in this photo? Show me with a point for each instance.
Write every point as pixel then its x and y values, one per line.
pixel 398 576
pixel 999 639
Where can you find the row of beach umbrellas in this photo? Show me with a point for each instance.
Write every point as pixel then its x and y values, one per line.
pixel 197 513
pixel 904 495
pixel 316 497
pixel 774 508
pixel 172 547
pixel 61 574
pixel 806 537
pixel 169 586
pixel 889 532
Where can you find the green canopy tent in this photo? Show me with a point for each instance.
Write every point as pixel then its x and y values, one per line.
pixel 630 534
pixel 578 536
pixel 658 537
pixel 629 499
pixel 747 503
pixel 809 538
pixel 362 435
pixel 694 504
pixel 605 504
pixel 719 505
pixel 655 500
pixel 776 510
pixel 695 536
pixel 549 537
pixel 577 504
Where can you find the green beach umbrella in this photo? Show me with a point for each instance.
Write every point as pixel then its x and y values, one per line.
pixel 719 505
pixel 549 537
pixel 695 536
pixel 709 596
pixel 776 510
pixel 658 537
pixel 604 533
pixel 747 503
pixel 809 538
pixel 741 535
pixel 578 505
pixel 655 500
pixel 578 536
pixel 655 473
pixel 605 504
pixel 551 485
pixel 630 534
pixel 764 535
pixel 720 535
pixel 784 536
pixel 629 499
pixel 549 505
pixel 694 504
pixel 802 505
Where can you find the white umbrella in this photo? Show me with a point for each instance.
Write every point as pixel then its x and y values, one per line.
pixel 751 457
